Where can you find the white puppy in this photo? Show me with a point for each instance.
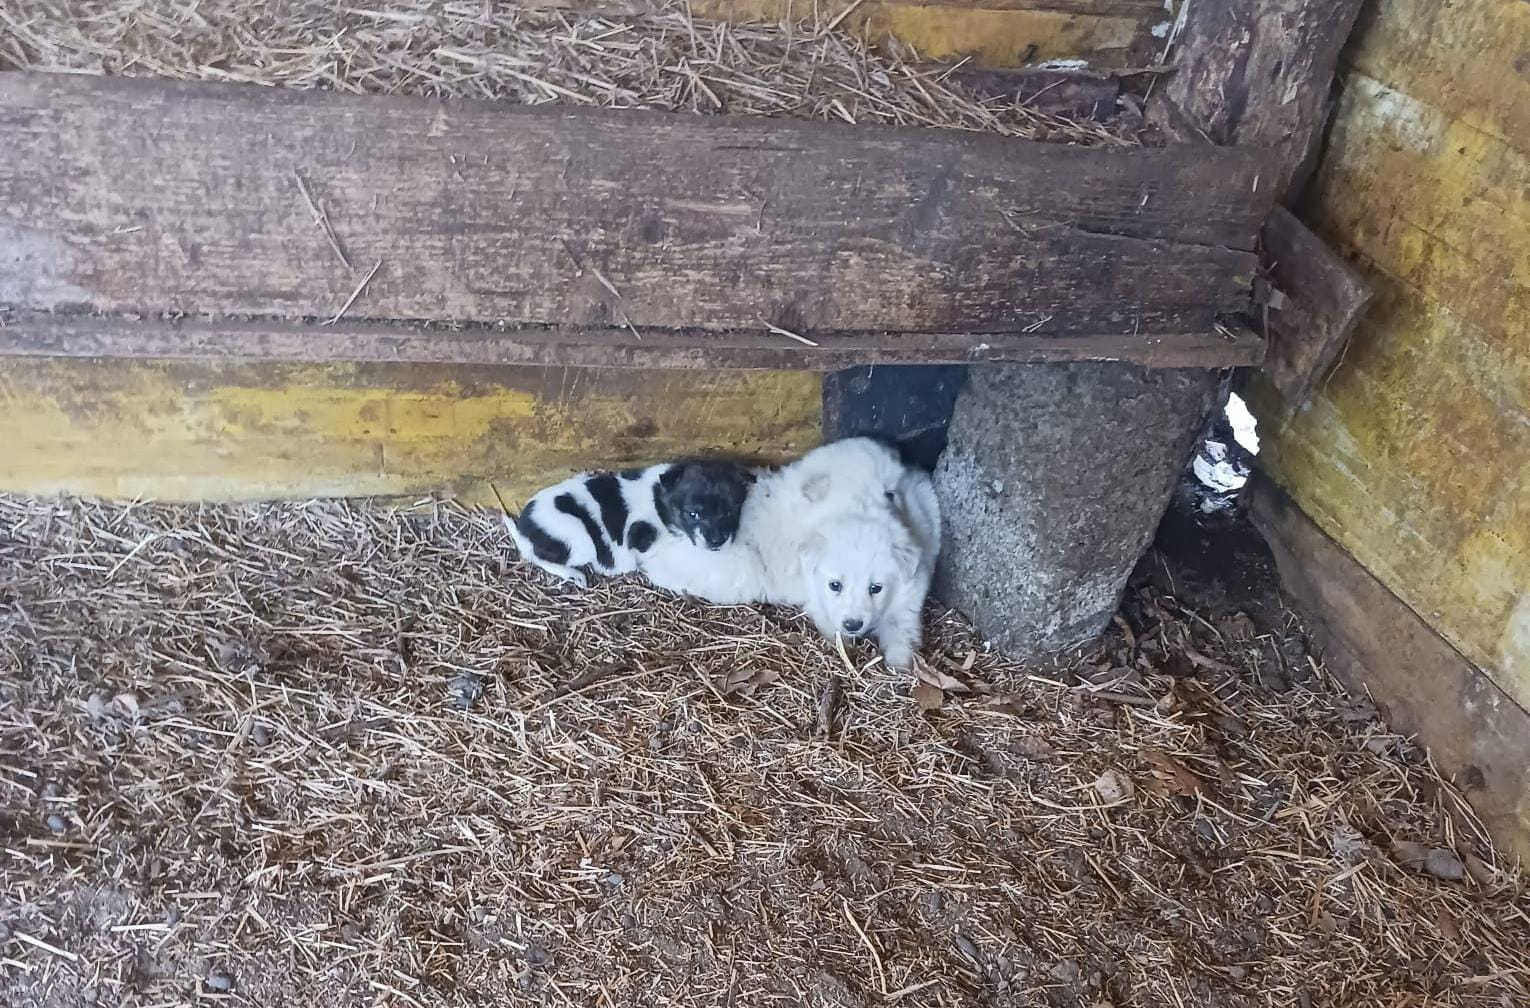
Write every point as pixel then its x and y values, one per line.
pixel 847 473
pixel 865 573
pixel 761 563
pixel 850 515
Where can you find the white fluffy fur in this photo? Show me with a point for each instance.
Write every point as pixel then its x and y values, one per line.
pixel 849 512
pixel 848 473
pixel 891 547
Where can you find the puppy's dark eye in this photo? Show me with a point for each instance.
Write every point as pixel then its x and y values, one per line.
pixel 693 515
pixel 836 587
pixel 875 589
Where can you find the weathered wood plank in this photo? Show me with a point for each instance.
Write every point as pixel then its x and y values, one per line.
pixel 124 196
pixel 1320 301
pixel 1414 453
pixel 1463 63
pixel 1432 200
pixel 224 430
pixel 1258 73
pixel 594 346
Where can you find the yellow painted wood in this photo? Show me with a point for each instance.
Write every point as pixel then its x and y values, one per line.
pixel 1432 201
pixel 1465 59
pixel 998 33
pixel 190 430
pixel 995 33
pixel 1415 456
pixel 1008 38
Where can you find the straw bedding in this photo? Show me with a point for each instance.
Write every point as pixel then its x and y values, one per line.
pixel 333 754
pixel 661 59
pixel 341 754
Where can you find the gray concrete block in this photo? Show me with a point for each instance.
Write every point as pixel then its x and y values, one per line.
pixel 1053 480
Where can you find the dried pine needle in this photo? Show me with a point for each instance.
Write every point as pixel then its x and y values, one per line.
pixel 331 753
pixel 659 59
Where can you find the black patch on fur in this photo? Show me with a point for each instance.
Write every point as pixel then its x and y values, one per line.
pixel 554 551
pixel 661 491
pixel 712 488
pixel 641 536
pixel 607 491
pixel 569 506
pixel 631 474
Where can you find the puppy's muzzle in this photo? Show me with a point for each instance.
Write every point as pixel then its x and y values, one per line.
pixel 852 626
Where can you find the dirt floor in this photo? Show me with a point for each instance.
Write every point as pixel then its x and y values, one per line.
pixel 326 754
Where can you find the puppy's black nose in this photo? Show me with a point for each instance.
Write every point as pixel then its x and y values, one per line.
pixel 853 625
pixel 714 540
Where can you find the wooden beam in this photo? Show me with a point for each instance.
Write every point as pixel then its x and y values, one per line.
pixel 1257 73
pixel 142 196
pixel 594 346
pixel 1316 301
pixel 190 430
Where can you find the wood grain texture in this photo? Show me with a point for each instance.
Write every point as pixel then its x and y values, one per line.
pixel 229 430
pixel 1414 454
pixel 1258 73
pixel 1477 733
pixel 123 196
pixel 87 336
pixel 1323 299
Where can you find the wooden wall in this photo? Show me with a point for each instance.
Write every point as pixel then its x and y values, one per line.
pixel 1415 454
pixel 202 430
pixel 184 430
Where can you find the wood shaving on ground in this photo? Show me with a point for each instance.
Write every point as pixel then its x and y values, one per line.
pixel 336 754
pixel 659 59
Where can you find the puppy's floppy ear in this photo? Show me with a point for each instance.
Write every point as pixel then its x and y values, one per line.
pixel 661 505
pixel 738 488
pixel 669 477
pixel 816 488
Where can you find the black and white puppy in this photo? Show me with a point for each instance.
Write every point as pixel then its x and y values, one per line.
pixel 848 532
pixel 605 520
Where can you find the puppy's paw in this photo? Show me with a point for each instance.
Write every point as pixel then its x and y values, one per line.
pixel 568 575
pixel 898 656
